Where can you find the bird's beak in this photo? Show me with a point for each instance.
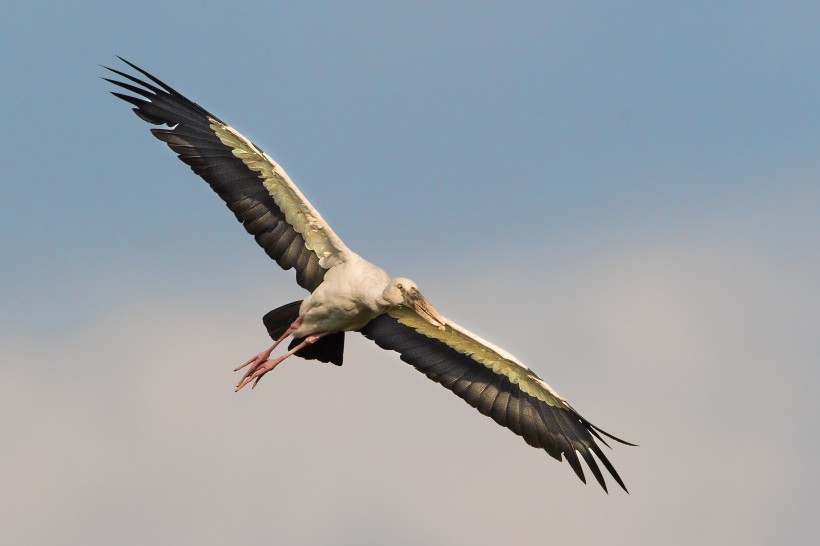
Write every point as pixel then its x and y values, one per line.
pixel 426 311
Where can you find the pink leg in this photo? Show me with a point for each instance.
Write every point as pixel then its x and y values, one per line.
pixel 265 366
pixel 264 355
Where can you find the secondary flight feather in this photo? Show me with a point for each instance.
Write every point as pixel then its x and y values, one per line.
pixel 347 293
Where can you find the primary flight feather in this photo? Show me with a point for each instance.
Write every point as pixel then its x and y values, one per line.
pixel 348 293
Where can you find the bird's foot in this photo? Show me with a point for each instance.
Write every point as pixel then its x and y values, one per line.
pixel 260 365
pixel 258 359
pixel 254 364
pixel 264 355
pixel 259 369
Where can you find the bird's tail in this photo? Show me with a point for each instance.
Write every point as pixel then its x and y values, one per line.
pixel 278 320
pixel 329 348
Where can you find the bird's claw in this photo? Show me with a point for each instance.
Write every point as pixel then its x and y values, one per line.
pixel 257 363
pixel 260 364
pixel 256 371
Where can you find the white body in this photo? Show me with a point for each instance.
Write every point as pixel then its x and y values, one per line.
pixel 351 295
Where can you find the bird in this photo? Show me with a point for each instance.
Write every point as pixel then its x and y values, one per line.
pixel 347 293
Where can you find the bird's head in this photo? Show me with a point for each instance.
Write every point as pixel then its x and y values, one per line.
pixel 401 292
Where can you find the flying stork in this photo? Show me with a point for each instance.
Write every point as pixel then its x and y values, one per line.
pixel 348 293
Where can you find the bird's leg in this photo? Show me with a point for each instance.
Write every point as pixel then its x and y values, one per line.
pixel 267 365
pixel 264 355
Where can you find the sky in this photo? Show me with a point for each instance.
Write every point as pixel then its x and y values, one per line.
pixel 626 196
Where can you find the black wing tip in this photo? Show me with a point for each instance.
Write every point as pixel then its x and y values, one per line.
pixel 151 77
pixel 602 457
pixel 595 429
pixel 590 446
pixel 608 435
pixel 593 466
pixel 586 449
pixel 608 465
pixel 163 87
pixel 129 63
pixel 142 88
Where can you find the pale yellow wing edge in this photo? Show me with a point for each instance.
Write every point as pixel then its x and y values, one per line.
pixel 299 213
pixel 483 353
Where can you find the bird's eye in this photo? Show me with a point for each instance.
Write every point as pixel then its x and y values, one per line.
pixel 399 286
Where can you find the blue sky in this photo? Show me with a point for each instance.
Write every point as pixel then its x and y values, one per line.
pixel 623 195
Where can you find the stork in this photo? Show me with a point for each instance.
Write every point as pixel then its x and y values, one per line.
pixel 347 293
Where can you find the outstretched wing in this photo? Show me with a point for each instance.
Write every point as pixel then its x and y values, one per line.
pixel 253 185
pixel 496 384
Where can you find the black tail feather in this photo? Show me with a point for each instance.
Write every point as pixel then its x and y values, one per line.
pixel 278 320
pixel 329 348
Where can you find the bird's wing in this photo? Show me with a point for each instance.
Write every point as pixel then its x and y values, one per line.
pixel 253 185
pixel 495 383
